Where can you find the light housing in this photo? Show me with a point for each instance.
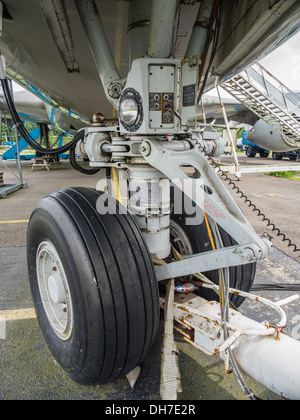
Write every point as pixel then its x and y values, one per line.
pixel 131 110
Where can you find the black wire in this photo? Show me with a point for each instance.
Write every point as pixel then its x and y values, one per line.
pixel 75 164
pixel 24 133
pixel 215 39
pixel 180 120
pixel 283 287
pixel 71 146
pixel 210 37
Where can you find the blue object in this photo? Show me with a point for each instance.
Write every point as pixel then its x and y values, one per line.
pixel 249 144
pixel 12 152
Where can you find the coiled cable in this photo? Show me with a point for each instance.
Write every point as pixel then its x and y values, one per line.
pixel 254 208
pixel 246 199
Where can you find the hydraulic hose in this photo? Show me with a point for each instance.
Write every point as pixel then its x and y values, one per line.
pixel 75 164
pixel 20 127
pixel 30 141
pixel 24 133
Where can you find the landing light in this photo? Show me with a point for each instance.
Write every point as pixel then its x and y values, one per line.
pixel 131 110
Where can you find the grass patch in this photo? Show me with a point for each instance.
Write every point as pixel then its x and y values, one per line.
pixel 283 174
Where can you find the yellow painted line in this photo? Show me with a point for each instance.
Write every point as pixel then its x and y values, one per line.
pixel 18 314
pixel 8 222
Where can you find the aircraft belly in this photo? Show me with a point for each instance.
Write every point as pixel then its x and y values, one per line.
pixel 61 65
pixel 31 51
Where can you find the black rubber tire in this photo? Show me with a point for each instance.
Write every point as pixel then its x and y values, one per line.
pixel 112 284
pixel 241 277
pixel 250 153
pixel 276 156
pixel 264 154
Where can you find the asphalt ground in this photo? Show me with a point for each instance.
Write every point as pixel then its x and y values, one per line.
pixel 27 369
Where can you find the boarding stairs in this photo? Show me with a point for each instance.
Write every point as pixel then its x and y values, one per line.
pixel 13 151
pixel 269 99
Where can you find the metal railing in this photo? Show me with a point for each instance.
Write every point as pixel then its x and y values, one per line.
pixel 276 91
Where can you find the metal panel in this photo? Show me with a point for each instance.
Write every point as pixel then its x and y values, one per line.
pixel 55 14
pixel 249 28
pixel 161 28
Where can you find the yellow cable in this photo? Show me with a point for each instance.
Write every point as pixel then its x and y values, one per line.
pixel 214 248
pixel 209 232
pixel 116 184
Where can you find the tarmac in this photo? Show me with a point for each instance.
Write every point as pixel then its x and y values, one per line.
pixel 27 369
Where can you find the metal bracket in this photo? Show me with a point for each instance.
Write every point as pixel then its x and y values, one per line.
pixel 207 261
pixel 213 198
pixel 201 325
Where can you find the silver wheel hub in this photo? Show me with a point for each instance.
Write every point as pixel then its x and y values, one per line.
pixel 54 290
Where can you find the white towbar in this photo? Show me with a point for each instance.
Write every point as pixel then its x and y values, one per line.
pixel 262 351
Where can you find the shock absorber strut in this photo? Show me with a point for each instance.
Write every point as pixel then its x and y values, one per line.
pixel 149 204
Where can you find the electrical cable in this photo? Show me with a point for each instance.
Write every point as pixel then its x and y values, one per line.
pixel 71 146
pixel 76 166
pixel 224 273
pixel 282 287
pixel 20 126
pixel 215 22
pixel 224 305
pixel 236 189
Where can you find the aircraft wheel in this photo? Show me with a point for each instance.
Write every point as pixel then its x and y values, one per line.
pixel 276 156
pixel 250 153
pixel 264 154
pixel 191 239
pixel 93 286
